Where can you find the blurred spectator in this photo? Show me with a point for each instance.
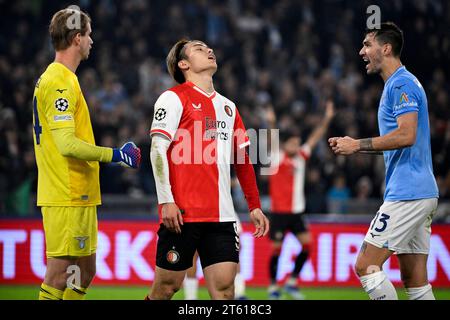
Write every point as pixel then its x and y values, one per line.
pixel 338 195
pixel 363 188
pixel 315 193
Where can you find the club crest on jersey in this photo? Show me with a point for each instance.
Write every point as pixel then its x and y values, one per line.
pixel 173 256
pixel 61 104
pixel 81 241
pixel 160 114
pixel 228 111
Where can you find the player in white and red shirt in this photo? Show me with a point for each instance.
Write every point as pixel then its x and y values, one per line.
pixel 196 134
pixel 286 189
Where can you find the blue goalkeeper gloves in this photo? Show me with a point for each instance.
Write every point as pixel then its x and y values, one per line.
pixel 129 155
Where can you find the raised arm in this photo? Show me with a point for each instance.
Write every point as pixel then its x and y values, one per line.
pixel 322 127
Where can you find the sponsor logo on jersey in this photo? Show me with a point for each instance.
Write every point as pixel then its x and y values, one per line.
pixel 81 241
pixel 65 117
pixel 160 114
pixel 159 125
pixel 215 129
pixel 61 104
pixel 214 124
pixel 197 106
pixel 228 111
pixel 404 98
pixel 404 102
pixel 173 256
pixel 61 90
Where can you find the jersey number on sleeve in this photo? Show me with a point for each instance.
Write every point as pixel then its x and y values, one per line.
pixel 37 127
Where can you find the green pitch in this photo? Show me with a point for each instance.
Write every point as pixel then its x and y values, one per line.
pixel 138 293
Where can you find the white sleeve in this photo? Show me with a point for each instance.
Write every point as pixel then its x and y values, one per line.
pixel 305 151
pixel 167 115
pixel 160 167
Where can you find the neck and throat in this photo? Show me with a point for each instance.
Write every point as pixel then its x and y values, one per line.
pixel 68 59
pixel 389 67
pixel 202 80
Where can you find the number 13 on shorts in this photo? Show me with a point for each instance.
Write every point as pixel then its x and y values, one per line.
pixel 381 223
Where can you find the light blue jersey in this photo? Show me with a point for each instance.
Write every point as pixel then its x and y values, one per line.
pixel 409 171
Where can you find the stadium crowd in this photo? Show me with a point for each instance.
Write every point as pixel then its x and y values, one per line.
pixel 288 56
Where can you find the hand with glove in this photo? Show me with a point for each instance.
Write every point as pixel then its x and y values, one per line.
pixel 129 155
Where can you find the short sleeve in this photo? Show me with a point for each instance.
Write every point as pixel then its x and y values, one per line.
pixel 60 103
pixel 241 139
pixel 305 151
pixel 167 114
pixel 405 97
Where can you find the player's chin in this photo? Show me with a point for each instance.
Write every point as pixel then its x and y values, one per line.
pixel 85 56
pixel 371 70
pixel 213 64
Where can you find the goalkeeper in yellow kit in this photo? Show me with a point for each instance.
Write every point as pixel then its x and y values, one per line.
pixel 68 162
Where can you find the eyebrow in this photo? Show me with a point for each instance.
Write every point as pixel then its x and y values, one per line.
pixel 197 44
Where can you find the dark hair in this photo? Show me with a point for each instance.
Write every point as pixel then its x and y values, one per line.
pixel 61 31
pixel 390 33
pixel 286 134
pixel 176 54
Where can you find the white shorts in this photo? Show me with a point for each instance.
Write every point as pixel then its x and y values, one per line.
pixel 403 226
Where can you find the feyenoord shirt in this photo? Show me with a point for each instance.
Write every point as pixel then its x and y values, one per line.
pixel 204 130
pixel 286 184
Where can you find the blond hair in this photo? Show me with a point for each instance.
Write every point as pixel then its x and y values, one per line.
pixel 62 29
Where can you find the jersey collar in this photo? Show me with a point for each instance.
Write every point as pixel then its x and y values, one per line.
pixel 402 67
pixel 208 95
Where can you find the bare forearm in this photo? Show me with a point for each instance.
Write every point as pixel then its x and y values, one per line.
pixel 318 133
pixel 396 139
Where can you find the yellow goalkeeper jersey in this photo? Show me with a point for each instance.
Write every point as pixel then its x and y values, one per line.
pixel 59 103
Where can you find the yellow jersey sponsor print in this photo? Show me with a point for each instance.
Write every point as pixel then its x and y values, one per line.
pixel 59 103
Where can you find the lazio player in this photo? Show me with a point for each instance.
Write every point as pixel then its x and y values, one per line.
pixel 403 223
pixel 67 160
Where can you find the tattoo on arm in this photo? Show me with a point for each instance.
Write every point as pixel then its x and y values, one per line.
pixel 363 247
pixel 371 152
pixel 365 144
